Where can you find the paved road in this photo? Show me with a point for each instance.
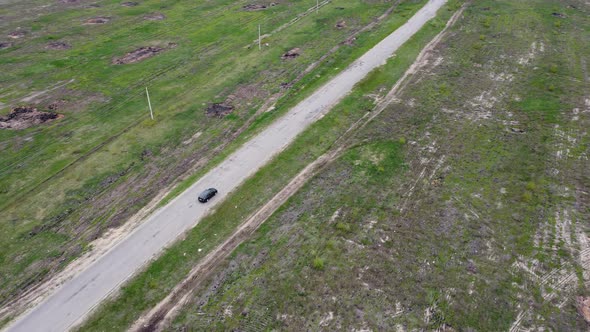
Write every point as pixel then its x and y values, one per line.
pixel 71 303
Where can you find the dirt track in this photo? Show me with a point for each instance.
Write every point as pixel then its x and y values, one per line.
pixel 71 303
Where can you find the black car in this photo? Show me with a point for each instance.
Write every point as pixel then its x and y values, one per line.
pixel 207 195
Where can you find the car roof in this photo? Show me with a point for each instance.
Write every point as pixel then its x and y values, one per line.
pixel 207 191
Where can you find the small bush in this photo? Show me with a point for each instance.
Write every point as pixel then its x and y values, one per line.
pixel 343 227
pixel 318 263
pixel 331 244
pixel 553 68
pixel 527 196
pixel 531 186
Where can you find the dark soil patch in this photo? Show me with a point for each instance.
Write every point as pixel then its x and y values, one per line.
pixel 25 116
pixel 341 25
pixel 286 85
pixel 349 41
pixel 4 45
pixel 98 20
pixel 560 15
pixel 219 110
pixel 57 105
pixel 139 54
pixel 255 6
pixel 58 46
pixel 291 54
pixel 16 34
pixel 129 3
pixel 154 17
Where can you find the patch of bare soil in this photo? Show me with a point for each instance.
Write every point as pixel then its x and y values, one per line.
pixel 154 17
pixel 24 117
pixel 129 4
pixel 16 34
pixel 57 105
pixel 583 304
pixel 98 20
pixel 4 45
pixel 219 110
pixel 58 46
pixel 349 41
pixel 292 54
pixel 255 6
pixel 139 54
pixel 341 24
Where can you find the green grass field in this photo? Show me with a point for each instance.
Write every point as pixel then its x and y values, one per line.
pixel 65 183
pixel 463 206
pixel 160 277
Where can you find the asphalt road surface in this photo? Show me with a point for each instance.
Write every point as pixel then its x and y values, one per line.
pixel 76 298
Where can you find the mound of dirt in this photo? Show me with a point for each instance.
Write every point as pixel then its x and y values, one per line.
pixel 16 34
pixel 139 54
pixel 341 24
pixel 58 46
pixel 255 6
pixel 129 3
pixel 24 117
pixel 98 20
pixel 219 110
pixel 291 54
pixel 4 45
pixel 154 17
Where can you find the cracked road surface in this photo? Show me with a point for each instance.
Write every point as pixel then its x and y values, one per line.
pixel 77 297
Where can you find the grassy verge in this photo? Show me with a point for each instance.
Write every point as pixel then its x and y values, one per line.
pixel 163 274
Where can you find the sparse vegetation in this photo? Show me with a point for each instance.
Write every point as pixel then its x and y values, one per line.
pixel 135 298
pixel 105 160
pixel 461 207
pixel 460 233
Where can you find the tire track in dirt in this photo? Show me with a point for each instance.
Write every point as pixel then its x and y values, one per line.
pixel 158 317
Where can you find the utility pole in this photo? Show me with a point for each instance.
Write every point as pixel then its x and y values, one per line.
pixel 149 103
pixel 259 41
